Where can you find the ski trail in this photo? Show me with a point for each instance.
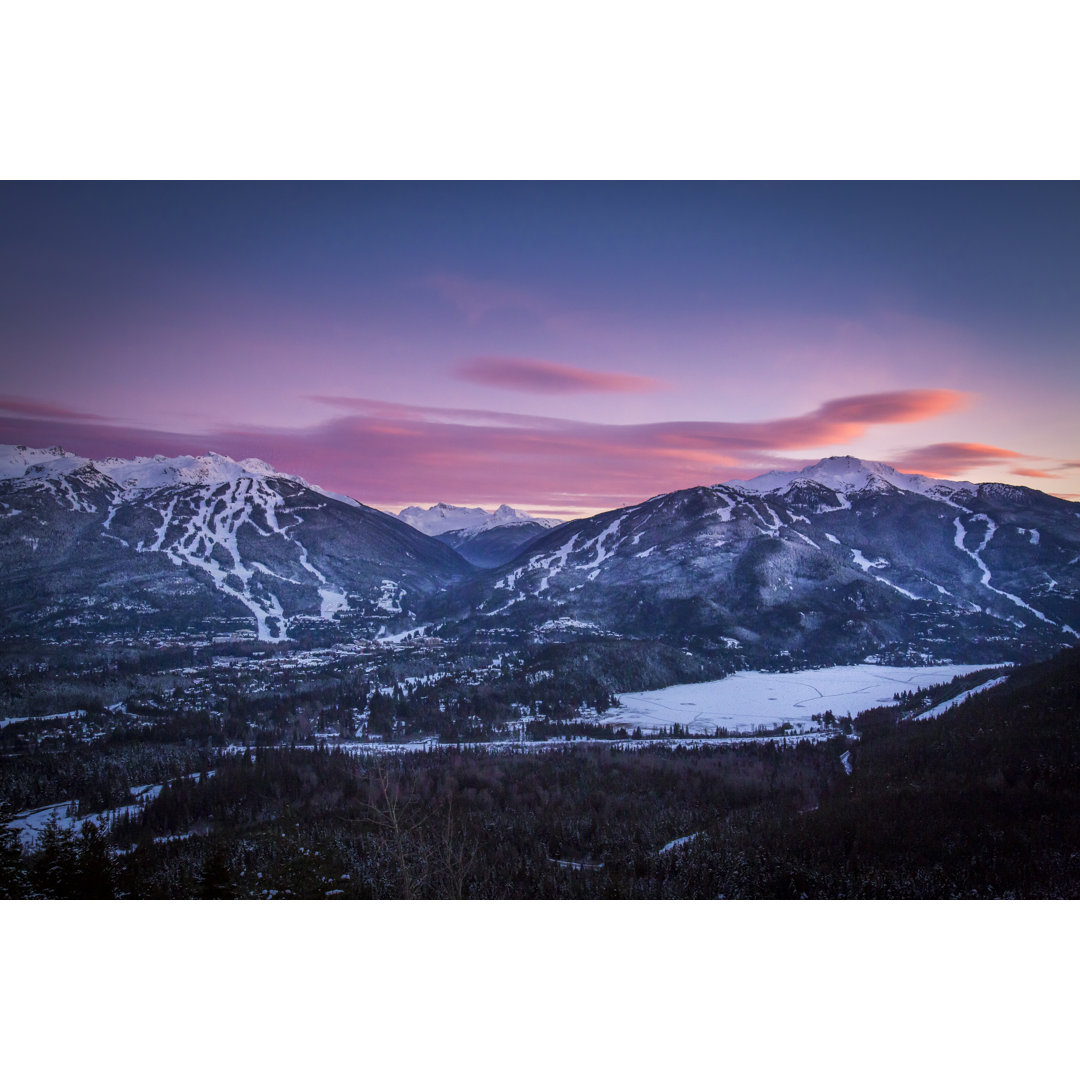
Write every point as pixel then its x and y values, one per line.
pixel 114 505
pixel 866 565
pixel 937 710
pixel 554 563
pixel 166 520
pixel 960 536
pixel 671 845
pixel 331 600
pixel 76 502
pixel 214 525
pixel 769 530
pixel 723 512
pixel 845 504
pixel 602 553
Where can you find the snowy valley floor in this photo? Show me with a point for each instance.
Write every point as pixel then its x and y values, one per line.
pixel 752 700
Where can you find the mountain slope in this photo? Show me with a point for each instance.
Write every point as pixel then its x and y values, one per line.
pixel 843 561
pixel 495 546
pixel 199 544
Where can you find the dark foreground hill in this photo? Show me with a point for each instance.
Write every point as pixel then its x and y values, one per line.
pixel 982 801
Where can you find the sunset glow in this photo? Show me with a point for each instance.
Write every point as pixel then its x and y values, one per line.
pixel 562 347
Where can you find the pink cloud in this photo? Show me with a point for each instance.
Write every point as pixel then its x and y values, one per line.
pixel 950 458
pixel 29 407
pixel 396 411
pixel 544 377
pixel 389 454
pixel 893 407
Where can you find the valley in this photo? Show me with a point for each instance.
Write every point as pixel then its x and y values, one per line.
pixel 217 679
pixel 963 788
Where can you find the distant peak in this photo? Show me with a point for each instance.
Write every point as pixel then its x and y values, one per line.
pixel 445 517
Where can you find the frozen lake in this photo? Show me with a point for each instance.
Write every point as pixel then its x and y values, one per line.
pixel 752 699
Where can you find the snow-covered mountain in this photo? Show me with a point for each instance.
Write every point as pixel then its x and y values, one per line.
pixel 843 560
pixel 484 538
pixel 198 544
pixel 847 474
pixel 467 520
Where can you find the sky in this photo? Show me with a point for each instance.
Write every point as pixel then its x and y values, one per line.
pixel 562 347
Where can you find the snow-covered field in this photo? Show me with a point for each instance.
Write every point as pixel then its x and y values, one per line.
pixel 752 699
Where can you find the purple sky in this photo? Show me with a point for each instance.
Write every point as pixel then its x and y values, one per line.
pixel 561 347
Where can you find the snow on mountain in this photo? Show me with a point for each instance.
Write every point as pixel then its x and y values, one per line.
pixel 847 474
pixel 836 562
pixel 140 474
pixel 467 520
pixel 842 560
pixel 194 542
pixel 15 461
pixel 160 471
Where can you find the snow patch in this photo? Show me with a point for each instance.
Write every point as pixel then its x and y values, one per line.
pixel 671 845
pixel 937 710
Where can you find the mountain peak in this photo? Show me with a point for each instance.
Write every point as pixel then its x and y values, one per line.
pixel 17 460
pixel 147 473
pixel 845 473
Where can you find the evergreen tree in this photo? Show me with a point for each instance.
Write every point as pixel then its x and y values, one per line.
pixel 13 883
pixel 54 865
pixel 95 876
pixel 215 883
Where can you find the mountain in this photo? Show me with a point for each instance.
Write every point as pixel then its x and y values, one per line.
pixel 844 561
pixel 847 474
pixel 485 539
pixel 202 545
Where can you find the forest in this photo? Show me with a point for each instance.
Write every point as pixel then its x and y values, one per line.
pixel 981 801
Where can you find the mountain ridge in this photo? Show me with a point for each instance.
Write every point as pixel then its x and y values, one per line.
pixel 927 572
pixel 838 562
pixel 467 520
pixel 202 544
